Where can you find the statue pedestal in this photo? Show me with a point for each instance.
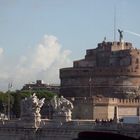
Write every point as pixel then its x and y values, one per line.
pixel 31 121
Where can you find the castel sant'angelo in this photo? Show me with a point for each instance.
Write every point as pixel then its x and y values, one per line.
pixel 106 83
pixel 101 90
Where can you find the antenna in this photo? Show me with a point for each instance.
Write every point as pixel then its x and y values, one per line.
pixel 114 23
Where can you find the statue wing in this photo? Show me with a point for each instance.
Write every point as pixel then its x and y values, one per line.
pixel 41 102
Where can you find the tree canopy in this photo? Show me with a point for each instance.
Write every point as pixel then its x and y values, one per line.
pixel 15 98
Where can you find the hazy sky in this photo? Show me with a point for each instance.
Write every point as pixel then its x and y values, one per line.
pixel 37 37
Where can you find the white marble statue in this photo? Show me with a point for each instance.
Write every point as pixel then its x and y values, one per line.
pixel 62 107
pixel 30 108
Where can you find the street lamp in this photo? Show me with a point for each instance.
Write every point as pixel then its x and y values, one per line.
pixel 9 88
pixel 4 106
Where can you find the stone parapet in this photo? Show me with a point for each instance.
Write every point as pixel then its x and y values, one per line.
pixel 67 130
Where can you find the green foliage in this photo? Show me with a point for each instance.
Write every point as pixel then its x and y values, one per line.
pixel 4 99
pixel 17 96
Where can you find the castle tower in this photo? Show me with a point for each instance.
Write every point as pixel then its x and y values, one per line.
pixel 109 70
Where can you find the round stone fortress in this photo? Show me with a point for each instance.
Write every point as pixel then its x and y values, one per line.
pixel 110 70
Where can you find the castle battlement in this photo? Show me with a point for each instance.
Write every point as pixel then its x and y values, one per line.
pixel 104 100
pixel 129 102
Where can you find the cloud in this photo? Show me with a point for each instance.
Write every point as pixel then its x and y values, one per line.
pixel 1 51
pixel 41 62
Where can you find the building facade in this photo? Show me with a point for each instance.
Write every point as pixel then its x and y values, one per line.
pixel 40 85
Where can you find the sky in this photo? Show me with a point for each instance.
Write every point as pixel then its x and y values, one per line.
pixel 38 37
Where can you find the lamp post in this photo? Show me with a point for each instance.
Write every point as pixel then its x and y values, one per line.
pixel 8 110
pixel 4 106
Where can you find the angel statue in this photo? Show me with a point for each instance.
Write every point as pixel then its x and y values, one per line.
pixel 121 35
pixel 62 107
pixel 30 107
